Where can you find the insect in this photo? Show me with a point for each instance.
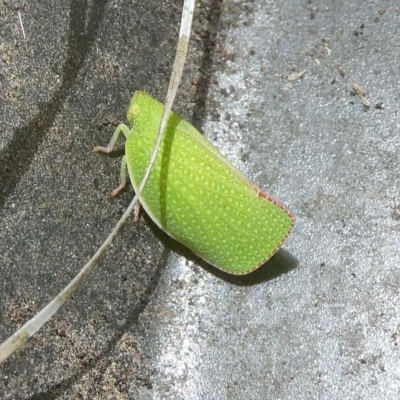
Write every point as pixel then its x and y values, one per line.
pixel 196 195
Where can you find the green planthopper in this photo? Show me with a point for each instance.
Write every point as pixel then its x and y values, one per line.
pixel 196 195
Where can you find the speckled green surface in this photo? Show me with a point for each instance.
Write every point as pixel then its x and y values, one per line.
pixel 199 198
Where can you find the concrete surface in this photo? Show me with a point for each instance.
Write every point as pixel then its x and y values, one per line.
pixel 319 321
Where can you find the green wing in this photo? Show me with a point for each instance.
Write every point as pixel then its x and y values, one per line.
pixel 199 198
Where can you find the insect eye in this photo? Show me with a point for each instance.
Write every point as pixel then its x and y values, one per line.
pixel 133 112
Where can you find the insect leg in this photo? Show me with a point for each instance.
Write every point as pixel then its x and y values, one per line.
pixel 122 177
pixel 120 128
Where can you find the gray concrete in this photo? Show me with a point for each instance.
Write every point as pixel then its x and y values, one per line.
pixel 319 321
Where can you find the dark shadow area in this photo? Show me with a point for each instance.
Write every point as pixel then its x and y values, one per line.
pixel 16 158
pixel 203 83
pixel 281 263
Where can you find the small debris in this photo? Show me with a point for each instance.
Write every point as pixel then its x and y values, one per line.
pixel 22 25
pixel 360 92
pixel 20 20
pixel 342 72
pixel 296 76
pixel 327 46
pixel 360 31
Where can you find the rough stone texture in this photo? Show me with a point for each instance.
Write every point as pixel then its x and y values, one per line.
pixel 320 320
